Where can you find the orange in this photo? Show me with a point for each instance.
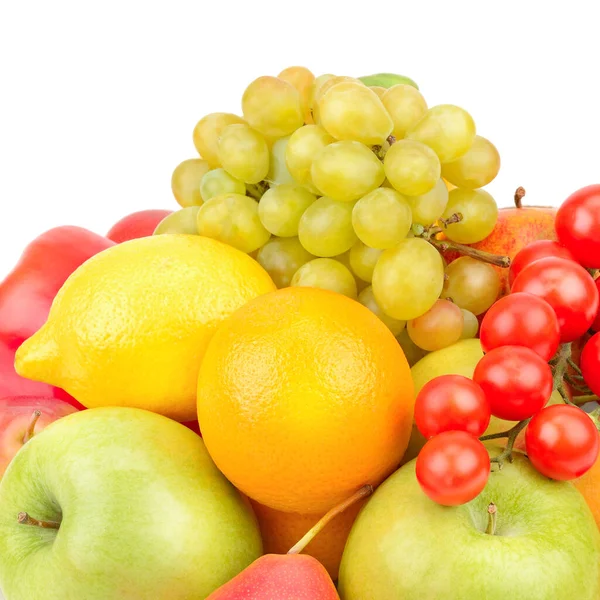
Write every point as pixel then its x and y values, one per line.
pixel 304 396
pixel 589 486
pixel 281 530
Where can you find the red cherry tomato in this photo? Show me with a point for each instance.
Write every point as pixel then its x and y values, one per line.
pixel 596 323
pixel 453 468
pixel 590 363
pixel 578 225
pixel 568 288
pixel 452 403
pixel 562 442
pixel 515 380
pixel 535 251
pixel 521 320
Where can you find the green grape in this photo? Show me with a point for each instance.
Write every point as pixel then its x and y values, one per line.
pixel 412 352
pixel 408 279
pixel 325 228
pixel 327 274
pixel 273 107
pixel 382 218
pixel 322 88
pixel 244 153
pixel 317 85
pixel 218 182
pixel 346 171
pixel 380 91
pixel 447 129
pixel 478 167
pixel 278 171
pixel 344 258
pixel 470 325
pixel 302 79
pixel 440 327
pixel 304 145
pixel 362 260
pixel 367 298
pixel 281 207
pixel 207 133
pixel 185 181
pixel 429 207
pixel 180 221
pixel 405 105
pixel 351 111
pixel 281 258
pixel 471 284
pixel 479 213
pixel 233 219
pixel 411 167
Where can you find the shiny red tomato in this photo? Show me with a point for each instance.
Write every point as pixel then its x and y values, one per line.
pixel 578 225
pixel 453 468
pixel 515 380
pixel 535 251
pixel 568 288
pixel 562 442
pixel 596 323
pixel 521 320
pixel 590 363
pixel 452 403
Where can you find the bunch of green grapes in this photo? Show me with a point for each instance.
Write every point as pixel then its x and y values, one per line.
pixel 350 184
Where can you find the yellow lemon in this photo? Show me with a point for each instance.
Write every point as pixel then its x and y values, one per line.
pixel 131 326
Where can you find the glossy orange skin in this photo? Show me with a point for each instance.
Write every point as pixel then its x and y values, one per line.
pixel 281 577
pixel 515 228
pixel 304 396
pixel 281 530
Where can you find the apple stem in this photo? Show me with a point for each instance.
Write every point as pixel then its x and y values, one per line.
pixel 364 492
pixel 30 431
pixel 25 519
pixel 519 195
pixel 492 518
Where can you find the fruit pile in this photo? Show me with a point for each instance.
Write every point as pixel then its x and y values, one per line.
pixel 338 372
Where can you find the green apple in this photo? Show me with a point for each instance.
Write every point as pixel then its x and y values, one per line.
pixel 545 546
pixel 132 508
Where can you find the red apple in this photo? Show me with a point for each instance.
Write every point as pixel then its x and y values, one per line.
pixel 136 225
pixel 20 421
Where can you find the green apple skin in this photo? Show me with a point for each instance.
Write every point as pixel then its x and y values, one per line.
pixel 404 546
pixel 144 513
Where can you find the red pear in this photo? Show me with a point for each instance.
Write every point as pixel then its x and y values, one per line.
pixel 290 576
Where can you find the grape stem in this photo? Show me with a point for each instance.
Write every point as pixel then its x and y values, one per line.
pixel 486 257
pixel 256 190
pixel 512 435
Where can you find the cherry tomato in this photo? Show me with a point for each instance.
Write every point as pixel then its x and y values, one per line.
pixel 521 320
pixel 452 403
pixel 596 323
pixel 578 225
pixel 567 287
pixel 453 468
pixel 562 442
pixel 515 380
pixel 590 363
pixel 535 251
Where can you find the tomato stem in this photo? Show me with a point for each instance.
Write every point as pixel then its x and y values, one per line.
pixel 512 435
pixel 587 398
pixel 25 519
pixel 573 365
pixel 492 518
pixel 30 431
pixel 364 491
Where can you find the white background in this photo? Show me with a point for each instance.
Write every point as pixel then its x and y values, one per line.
pixel 98 99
